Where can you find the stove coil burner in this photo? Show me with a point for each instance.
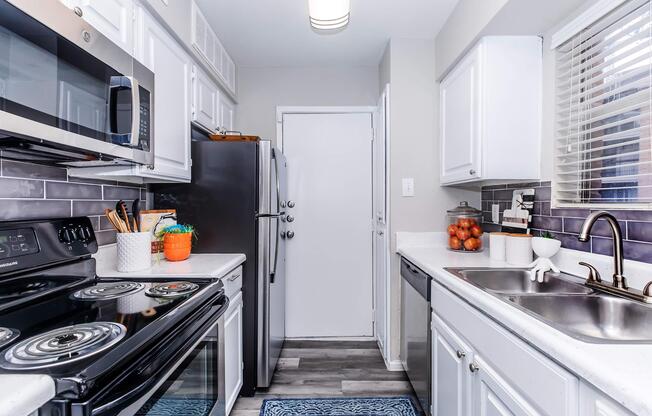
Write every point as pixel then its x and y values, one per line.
pixel 172 289
pixel 104 291
pixel 62 346
pixel 22 289
pixel 7 335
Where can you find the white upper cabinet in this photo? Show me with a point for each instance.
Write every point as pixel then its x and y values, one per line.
pixel 209 47
pixel 205 100
pixel 113 18
pixel 490 109
pixel 227 114
pixel 172 68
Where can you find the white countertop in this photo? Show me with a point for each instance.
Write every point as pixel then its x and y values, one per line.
pixel 23 394
pixel 623 372
pixel 198 265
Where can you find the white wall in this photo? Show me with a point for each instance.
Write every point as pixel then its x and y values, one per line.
pixel 262 89
pixel 409 64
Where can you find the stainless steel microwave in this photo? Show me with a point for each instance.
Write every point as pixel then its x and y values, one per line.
pixel 67 90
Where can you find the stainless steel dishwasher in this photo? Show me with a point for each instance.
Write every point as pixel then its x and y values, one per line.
pixel 415 331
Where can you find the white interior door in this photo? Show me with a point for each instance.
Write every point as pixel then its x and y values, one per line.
pixel 329 259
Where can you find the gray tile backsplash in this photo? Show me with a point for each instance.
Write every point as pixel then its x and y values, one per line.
pixel 565 223
pixel 29 191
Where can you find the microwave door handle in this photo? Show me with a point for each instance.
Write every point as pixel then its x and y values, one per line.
pixel 135 111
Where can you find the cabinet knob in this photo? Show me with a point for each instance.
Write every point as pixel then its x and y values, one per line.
pixel 461 354
pixel 474 367
pixel 291 204
pixel 78 11
pixel 472 172
pixel 290 234
pixel 290 218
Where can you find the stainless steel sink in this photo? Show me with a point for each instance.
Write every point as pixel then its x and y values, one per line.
pixel 595 318
pixel 517 281
pixel 566 304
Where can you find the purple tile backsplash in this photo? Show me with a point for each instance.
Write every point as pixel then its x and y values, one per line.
pixel 30 191
pixel 565 223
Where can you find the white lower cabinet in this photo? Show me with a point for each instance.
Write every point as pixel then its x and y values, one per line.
pixel 492 395
pixel 233 348
pixel 594 403
pixel 481 369
pixel 451 387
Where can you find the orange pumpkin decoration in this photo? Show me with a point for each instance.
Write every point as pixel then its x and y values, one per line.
pixel 177 246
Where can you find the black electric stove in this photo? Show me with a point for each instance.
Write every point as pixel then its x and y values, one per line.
pixel 105 342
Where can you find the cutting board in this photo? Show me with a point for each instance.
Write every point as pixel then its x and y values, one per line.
pixel 233 138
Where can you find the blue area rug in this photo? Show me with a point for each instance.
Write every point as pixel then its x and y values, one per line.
pixel 353 406
pixel 176 407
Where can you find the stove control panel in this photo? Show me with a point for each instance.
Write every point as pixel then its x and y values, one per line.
pixel 17 242
pixel 33 243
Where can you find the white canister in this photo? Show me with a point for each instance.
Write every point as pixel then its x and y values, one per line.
pixel 497 248
pixel 134 251
pixel 518 249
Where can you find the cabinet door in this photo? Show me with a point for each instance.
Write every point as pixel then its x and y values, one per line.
pixel 171 65
pixel 205 100
pixel 493 396
pixel 594 403
pixel 113 18
pixel 233 359
pixel 227 113
pixel 460 121
pixel 451 389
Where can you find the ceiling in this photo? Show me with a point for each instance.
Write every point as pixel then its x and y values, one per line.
pixel 277 32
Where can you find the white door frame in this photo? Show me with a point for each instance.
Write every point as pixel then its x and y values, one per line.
pixel 280 112
pixel 387 344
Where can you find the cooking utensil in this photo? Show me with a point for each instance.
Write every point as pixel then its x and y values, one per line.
pixel 121 209
pixel 135 212
pixel 115 220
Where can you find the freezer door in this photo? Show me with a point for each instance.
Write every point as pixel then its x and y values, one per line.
pixel 271 258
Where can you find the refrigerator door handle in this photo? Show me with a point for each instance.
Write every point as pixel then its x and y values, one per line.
pixel 277 215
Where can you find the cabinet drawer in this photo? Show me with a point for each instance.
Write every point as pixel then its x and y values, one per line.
pixel 536 377
pixel 232 282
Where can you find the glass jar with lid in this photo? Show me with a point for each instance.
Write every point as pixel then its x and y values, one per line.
pixel 464 228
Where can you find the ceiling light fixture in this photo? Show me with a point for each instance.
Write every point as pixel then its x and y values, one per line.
pixel 329 14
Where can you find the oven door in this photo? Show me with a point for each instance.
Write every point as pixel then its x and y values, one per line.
pixel 65 83
pixel 195 386
pixel 184 373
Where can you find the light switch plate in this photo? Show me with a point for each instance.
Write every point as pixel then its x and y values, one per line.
pixel 408 187
pixel 495 213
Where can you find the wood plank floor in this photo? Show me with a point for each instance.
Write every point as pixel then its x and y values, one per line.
pixel 328 369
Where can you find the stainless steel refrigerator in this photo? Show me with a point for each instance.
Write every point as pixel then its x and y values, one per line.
pixel 236 201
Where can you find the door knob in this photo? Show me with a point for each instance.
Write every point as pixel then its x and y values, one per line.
pixel 290 218
pixel 290 234
pixel 290 204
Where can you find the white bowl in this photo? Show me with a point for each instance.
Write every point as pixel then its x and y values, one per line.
pixel 545 247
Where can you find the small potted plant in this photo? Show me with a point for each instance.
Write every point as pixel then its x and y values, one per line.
pixel 177 241
pixel 546 245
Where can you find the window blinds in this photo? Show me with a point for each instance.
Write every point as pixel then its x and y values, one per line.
pixel 603 151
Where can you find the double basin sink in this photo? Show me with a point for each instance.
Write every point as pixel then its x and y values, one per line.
pixel 565 303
